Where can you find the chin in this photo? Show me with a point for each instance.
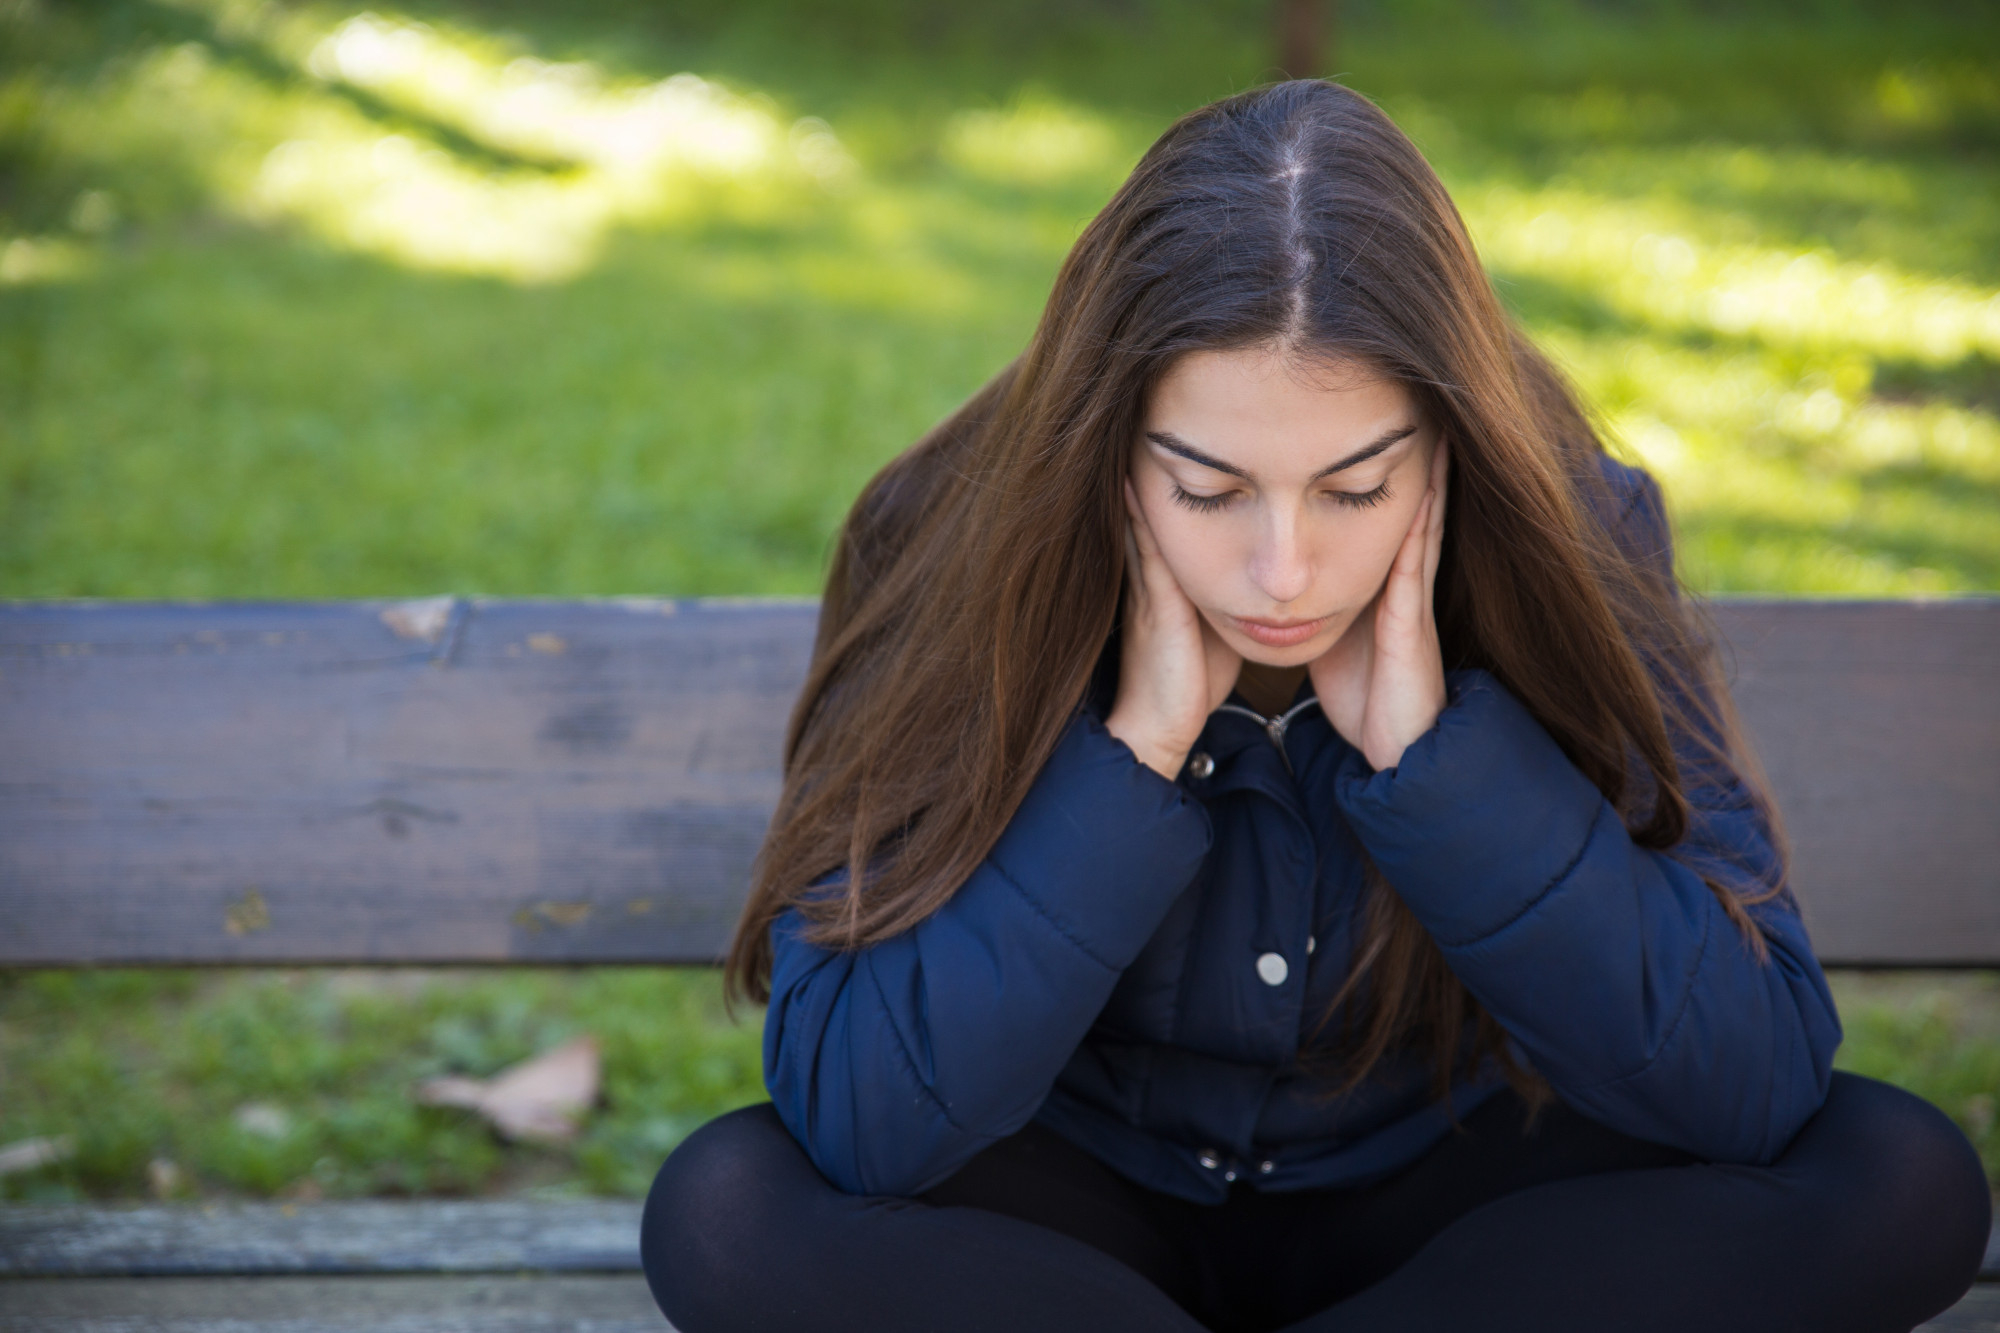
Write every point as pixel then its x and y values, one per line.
pixel 1297 654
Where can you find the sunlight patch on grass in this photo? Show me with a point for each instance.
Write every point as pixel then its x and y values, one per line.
pixel 1654 265
pixel 1798 478
pixel 573 153
pixel 33 260
pixel 567 111
pixel 392 197
pixel 1036 141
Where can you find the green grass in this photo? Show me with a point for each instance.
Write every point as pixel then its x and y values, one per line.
pixel 144 1067
pixel 299 304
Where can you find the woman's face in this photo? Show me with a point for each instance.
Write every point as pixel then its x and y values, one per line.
pixel 1278 491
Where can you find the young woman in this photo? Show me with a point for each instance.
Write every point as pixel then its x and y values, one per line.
pixel 1264 845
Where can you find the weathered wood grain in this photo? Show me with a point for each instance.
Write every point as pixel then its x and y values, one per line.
pixel 1879 725
pixel 350 1236
pixel 336 1237
pixel 444 1304
pixel 491 781
pixel 449 1304
pixel 299 783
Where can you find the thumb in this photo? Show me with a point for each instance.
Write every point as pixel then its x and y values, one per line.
pixel 1224 663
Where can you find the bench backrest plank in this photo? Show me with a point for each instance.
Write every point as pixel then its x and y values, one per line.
pixel 488 781
pixel 302 783
pixel 1878 724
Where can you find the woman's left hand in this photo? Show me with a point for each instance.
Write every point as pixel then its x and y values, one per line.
pixel 1382 683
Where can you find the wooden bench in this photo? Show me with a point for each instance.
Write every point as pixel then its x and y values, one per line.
pixel 454 781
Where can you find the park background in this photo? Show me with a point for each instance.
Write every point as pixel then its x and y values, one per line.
pixel 537 299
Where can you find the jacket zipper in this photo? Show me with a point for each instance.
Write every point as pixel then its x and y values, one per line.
pixel 1274 727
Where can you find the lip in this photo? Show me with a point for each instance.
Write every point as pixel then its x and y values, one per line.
pixel 1280 633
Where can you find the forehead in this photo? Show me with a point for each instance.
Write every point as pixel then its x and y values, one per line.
pixel 1275 414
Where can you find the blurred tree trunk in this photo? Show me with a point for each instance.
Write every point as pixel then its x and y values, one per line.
pixel 1307 44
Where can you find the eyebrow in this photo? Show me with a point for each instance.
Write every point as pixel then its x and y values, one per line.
pixel 1174 444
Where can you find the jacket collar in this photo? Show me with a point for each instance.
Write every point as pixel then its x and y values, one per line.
pixel 1236 738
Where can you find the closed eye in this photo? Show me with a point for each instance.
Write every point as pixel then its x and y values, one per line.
pixel 1362 499
pixel 1202 504
pixel 1208 504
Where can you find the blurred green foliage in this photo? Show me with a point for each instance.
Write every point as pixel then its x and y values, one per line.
pixel 298 300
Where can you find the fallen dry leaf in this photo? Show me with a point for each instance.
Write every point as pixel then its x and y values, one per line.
pixel 425 618
pixel 28 1154
pixel 164 1178
pixel 263 1119
pixel 540 1099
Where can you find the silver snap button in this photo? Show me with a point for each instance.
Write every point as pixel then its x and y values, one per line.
pixel 1273 968
pixel 1266 1168
pixel 1209 1161
pixel 1200 765
pixel 1310 943
pixel 1229 1176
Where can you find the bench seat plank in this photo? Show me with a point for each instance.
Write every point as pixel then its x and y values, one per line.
pixel 421 1266
pixel 606 1303
pixel 610 1303
pixel 336 1237
pixel 1979 1312
pixel 486 781
pixel 351 1236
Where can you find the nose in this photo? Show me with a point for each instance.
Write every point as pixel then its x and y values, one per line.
pixel 1280 566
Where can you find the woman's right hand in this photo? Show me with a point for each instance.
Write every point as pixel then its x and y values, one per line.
pixel 1175 669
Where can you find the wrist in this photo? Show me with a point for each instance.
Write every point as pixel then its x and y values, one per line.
pixel 1163 755
pixel 1385 738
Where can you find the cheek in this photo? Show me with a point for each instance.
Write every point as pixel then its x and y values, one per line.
pixel 1201 553
pixel 1356 551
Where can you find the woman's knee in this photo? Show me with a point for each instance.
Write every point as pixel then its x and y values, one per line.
pixel 707 1233
pixel 1901 1184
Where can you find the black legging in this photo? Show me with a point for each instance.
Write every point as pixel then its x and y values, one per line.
pixel 1872 1221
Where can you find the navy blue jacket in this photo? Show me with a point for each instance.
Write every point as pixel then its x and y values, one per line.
pixel 1137 962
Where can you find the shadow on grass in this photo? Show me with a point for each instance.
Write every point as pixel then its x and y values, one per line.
pixel 1972 383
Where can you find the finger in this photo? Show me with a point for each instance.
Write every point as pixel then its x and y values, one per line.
pixel 1440 481
pixel 1401 599
pixel 1142 531
pixel 1434 536
pixel 1409 562
pixel 1340 675
pixel 1135 561
pixel 1142 534
pixel 1161 588
pixel 1224 664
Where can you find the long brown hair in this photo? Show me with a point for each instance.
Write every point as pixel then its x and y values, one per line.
pixel 977 580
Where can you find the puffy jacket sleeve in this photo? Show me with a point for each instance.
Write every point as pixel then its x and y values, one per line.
pixel 894 1064
pixel 1612 966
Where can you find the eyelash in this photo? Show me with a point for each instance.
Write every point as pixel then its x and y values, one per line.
pixel 1208 504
